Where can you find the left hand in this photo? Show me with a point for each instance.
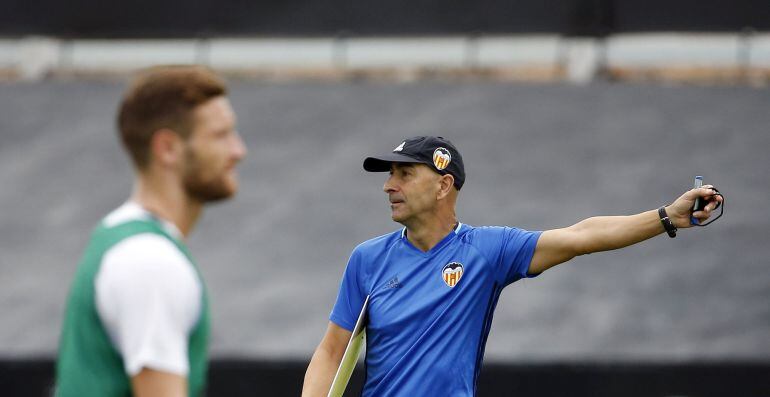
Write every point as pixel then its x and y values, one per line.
pixel 680 210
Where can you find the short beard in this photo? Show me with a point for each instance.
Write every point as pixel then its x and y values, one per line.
pixel 196 187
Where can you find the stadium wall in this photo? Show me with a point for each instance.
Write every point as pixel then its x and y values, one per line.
pixel 234 378
pixel 209 18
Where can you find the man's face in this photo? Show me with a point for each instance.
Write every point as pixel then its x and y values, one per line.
pixel 412 191
pixel 211 152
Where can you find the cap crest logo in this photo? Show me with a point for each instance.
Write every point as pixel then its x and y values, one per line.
pixel 441 158
pixel 400 147
pixel 452 273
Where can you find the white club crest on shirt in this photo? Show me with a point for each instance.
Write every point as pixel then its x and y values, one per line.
pixel 452 273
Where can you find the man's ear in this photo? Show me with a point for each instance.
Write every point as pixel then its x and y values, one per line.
pixel 446 184
pixel 166 146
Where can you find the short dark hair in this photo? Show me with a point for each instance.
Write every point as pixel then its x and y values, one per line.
pixel 163 97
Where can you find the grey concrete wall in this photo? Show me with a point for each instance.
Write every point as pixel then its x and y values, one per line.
pixel 537 157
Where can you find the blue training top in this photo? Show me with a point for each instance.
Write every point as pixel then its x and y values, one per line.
pixel 430 312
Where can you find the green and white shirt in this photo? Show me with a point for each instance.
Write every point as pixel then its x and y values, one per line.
pixel 137 301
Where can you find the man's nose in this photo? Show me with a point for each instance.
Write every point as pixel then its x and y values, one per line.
pixel 389 186
pixel 239 148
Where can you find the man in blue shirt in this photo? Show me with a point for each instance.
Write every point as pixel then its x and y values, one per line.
pixel 433 285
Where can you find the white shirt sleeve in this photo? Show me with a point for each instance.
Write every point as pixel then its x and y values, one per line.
pixel 148 297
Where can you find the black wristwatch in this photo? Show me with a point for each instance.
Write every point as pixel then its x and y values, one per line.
pixel 667 224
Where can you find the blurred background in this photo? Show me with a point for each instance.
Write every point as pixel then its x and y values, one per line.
pixel 562 110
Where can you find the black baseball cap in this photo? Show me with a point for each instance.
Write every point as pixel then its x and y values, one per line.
pixel 434 151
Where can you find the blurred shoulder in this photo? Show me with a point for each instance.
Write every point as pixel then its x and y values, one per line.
pixel 379 243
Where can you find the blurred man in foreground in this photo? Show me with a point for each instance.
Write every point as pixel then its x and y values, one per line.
pixel 433 286
pixel 137 316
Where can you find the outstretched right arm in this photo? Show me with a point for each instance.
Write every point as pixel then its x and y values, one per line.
pixel 327 357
